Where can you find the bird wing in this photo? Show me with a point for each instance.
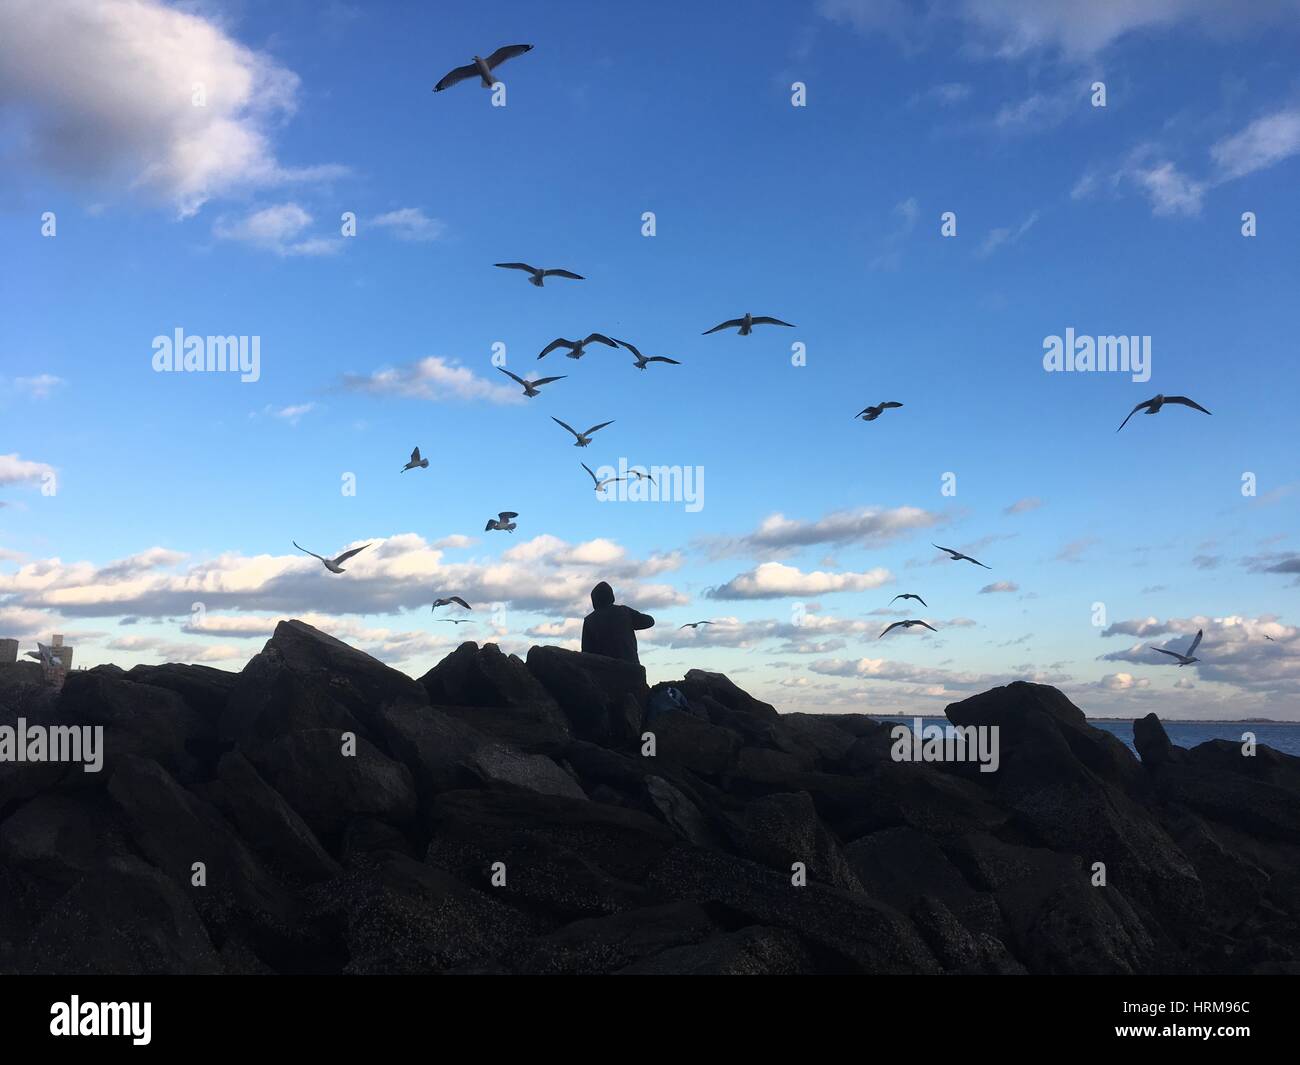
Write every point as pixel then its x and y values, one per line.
pixel 565 424
pixel 594 428
pixel 601 338
pixel 1171 654
pixel 301 548
pixel 631 348
pixel 415 455
pixel 593 476
pixel 663 358
pixel 729 324
pixel 348 554
pixel 458 599
pixel 543 380
pixel 1195 643
pixel 927 625
pixel 891 403
pixel 488 526
pixel 458 74
pixel 508 51
pixel 948 549
pixel 861 413
pixel 506 515
pixel 976 561
pixel 764 320
pixel 519 266
pixel 889 628
pixel 1186 402
pixel 512 377
pixel 559 343
pixel 1146 403
pixel 563 273
pixel 920 600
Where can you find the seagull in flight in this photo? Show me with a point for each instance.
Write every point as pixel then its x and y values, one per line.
pixel 531 388
pixel 1188 658
pixel 458 621
pixel 449 600
pixel 538 276
pixel 642 476
pixel 1269 638
pixel 416 462
pixel 746 324
pixel 642 361
pixel 1154 404
pixel 581 439
pixel 693 625
pixel 577 348
pixel 909 595
pixel 595 480
pixel 870 414
pixel 907 625
pixel 481 67
pixel 331 564
pixel 503 521
pixel 957 556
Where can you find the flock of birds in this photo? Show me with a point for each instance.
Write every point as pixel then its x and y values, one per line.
pixel 483 68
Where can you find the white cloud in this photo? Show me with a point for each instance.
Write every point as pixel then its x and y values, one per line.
pixel 433 378
pixel 41 386
pixel 1001 236
pixel 1265 141
pixel 772 580
pixel 865 527
pixel 16 470
pixel 279 229
pixel 103 91
pixel 410 223
pixel 999 586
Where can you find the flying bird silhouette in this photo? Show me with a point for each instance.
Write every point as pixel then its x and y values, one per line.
pixel 451 599
pixel 457 621
pixel 642 361
pixel 870 414
pixel 1184 659
pixel 595 480
pixel 503 521
pixel 1154 404
pixel 416 461
pixel 577 348
pixel 1269 638
pixel 907 625
pixel 538 276
pixel 746 324
pixel 642 476
pixel 531 388
pixel 331 564
pixel 957 556
pixel 581 439
pixel 482 67
pixel 693 625
pixel 909 595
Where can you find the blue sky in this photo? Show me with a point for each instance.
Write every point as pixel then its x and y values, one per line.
pixel 131 495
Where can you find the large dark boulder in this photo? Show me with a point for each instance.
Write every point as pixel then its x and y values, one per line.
pixel 1152 743
pixel 602 698
pixel 205 689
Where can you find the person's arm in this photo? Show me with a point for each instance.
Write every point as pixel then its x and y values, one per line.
pixel 639 620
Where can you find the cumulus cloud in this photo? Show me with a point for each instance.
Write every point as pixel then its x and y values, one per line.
pixel 140 95
pixel 1121 682
pixel 772 580
pixel 435 379
pixel 999 586
pixel 864 527
pixel 1139 627
pixel 17 470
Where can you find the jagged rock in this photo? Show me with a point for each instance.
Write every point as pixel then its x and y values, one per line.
pixel 326 787
pixel 604 699
pixel 753 951
pixel 54 840
pixel 685 740
pixel 203 688
pixel 304 679
pixel 24 780
pixel 612 944
pixel 959 950
pixel 498 763
pixel 779 830
pixel 1152 742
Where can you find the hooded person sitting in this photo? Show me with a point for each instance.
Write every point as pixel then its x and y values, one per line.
pixel 610 629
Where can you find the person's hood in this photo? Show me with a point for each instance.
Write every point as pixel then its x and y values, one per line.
pixel 602 595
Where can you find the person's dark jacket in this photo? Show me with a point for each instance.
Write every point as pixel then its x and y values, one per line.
pixel 610 629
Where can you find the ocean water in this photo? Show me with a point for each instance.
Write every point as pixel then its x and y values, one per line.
pixel 1284 738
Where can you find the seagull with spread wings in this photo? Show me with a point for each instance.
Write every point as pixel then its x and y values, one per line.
pixel 482 68
pixel 331 564
pixel 540 275
pixel 416 462
pixel 503 521
pixel 957 556
pixel 907 625
pixel 599 484
pixel 693 625
pixel 577 348
pixel 909 595
pixel 1188 658
pixel 449 600
pixel 642 361
pixel 581 439
pixel 531 388
pixel 870 414
pixel 746 324
pixel 1154 404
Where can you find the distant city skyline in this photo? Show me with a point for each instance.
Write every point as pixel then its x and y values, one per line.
pixel 952 204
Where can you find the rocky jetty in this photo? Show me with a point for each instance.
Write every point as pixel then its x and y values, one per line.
pixel 320 812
